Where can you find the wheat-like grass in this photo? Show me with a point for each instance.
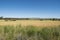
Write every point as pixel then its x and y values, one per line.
pixel 30 22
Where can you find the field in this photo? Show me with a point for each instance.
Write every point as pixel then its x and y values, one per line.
pixel 30 22
pixel 29 30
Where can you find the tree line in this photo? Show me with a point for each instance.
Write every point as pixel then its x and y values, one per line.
pixel 14 19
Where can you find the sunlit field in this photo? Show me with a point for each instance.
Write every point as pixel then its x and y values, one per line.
pixel 30 22
pixel 29 30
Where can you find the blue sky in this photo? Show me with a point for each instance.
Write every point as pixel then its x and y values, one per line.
pixel 30 8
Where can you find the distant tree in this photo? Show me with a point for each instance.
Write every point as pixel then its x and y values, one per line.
pixel 53 19
pixel 1 17
pixel 27 18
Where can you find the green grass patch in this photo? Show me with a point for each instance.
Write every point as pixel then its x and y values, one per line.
pixel 29 33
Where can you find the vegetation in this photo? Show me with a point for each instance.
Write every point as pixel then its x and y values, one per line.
pixel 29 33
pixel 18 29
pixel 41 19
pixel 45 23
pixel 1 17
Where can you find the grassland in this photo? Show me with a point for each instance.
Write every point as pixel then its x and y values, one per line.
pixel 29 33
pixel 30 22
pixel 29 30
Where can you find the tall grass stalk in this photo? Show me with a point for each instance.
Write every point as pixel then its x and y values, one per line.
pixel 29 33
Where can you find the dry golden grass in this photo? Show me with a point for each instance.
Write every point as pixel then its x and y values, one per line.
pixel 30 22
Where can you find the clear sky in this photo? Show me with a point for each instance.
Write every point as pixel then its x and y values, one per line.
pixel 30 8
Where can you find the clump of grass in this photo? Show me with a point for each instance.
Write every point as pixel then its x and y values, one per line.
pixel 29 33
